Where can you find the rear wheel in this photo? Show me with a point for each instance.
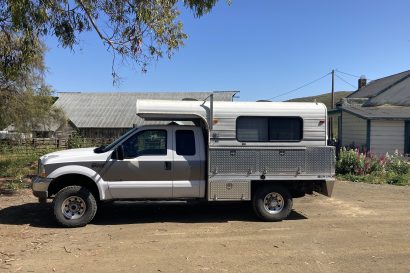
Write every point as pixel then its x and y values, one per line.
pixel 74 206
pixel 272 203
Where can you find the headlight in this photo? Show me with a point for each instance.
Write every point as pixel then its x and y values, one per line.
pixel 41 169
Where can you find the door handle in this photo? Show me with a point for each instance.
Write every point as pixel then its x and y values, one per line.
pixel 167 165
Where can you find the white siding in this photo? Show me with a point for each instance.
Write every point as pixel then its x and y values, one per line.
pixel 386 136
pixel 354 129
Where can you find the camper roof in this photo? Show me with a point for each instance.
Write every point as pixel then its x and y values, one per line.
pixel 186 110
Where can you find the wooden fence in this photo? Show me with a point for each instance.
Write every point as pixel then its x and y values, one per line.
pixel 40 146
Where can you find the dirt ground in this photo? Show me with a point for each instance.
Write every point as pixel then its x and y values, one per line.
pixel 362 228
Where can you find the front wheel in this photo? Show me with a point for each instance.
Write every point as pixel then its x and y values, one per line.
pixel 272 203
pixel 74 206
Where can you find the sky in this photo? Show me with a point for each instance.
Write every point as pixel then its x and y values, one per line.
pixel 262 48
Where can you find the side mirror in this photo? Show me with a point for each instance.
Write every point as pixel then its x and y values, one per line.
pixel 118 153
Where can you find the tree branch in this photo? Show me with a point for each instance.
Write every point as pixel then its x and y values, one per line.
pixel 91 18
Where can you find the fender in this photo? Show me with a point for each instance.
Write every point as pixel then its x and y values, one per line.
pixel 81 170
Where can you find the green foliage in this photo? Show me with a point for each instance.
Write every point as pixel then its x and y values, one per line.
pixel 77 141
pixel 26 101
pixel 360 167
pixel 16 184
pixel 348 162
pixel 17 164
pixel 136 30
pixel 397 164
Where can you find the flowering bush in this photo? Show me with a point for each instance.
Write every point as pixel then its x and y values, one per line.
pixel 357 166
pixel 397 164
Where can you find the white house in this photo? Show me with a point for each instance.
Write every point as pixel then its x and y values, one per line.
pixel 376 117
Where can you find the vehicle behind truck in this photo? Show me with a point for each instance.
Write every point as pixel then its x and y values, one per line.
pixel 266 153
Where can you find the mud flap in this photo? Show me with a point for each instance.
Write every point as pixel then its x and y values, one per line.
pixel 325 187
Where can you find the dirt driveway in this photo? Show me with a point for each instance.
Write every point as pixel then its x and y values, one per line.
pixel 363 228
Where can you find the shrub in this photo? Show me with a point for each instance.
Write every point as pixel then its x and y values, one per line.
pixel 348 161
pixel 397 164
pixel 77 141
pixel 365 167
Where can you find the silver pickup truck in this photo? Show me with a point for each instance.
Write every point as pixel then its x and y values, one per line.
pixel 263 152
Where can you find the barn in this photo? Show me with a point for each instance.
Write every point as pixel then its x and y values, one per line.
pixel 108 115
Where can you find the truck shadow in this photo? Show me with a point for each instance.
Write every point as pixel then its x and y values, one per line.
pixel 118 213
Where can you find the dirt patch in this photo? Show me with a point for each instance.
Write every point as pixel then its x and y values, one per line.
pixel 362 228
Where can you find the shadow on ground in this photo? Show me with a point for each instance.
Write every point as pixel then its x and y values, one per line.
pixel 118 213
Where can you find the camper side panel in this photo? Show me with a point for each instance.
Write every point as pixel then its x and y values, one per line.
pixel 224 132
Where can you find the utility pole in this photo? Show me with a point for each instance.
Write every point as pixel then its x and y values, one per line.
pixel 333 88
pixel 332 105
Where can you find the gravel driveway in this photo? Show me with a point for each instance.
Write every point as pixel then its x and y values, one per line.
pixel 362 228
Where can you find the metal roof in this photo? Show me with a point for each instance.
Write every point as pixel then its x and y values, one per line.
pixel 399 94
pixel 380 112
pixel 117 110
pixel 378 86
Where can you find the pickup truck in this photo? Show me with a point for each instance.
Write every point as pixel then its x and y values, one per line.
pixel 232 160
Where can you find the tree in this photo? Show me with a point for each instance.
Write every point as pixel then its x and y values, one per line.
pixel 136 30
pixel 139 31
pixel 26 101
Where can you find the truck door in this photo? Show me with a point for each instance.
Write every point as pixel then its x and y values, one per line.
pixel 146 170
pixel 188 164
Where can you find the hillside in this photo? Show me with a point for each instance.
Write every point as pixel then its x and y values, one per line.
pixel 324 98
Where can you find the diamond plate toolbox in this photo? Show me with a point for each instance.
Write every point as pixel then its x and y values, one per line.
pixel 229 189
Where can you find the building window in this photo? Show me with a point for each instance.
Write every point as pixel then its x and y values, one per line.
pixel 148 142
pixel 185 142
pixel 266 129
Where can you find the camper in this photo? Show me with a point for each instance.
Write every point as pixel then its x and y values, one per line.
pixel 264 153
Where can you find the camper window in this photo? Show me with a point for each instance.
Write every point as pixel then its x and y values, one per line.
pixel 266 129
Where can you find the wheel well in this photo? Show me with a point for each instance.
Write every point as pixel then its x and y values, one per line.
pixel 73 180
pixel 295 187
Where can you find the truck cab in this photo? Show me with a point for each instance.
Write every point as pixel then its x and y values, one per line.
pixel 157 162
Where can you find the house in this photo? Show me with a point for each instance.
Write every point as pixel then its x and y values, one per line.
pixel 376 117
pixel 108 115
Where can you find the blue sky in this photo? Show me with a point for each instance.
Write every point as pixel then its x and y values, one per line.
pixel 262 48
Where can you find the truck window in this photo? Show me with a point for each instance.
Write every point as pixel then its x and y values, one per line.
pixel 185 142
pixel 265 129
pixel 147 142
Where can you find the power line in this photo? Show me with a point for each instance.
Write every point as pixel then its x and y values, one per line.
pixel 300 87
pixel 348 74
pixel 345 81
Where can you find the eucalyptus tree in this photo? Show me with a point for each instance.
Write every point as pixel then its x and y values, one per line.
pixel 134 31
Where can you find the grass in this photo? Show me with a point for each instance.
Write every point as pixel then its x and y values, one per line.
pixel 17 167
pixel 393 179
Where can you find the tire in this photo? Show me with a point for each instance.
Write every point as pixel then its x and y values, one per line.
pixel 74 206
pixel 272 203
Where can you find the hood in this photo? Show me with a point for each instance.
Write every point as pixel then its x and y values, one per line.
pixel 73 155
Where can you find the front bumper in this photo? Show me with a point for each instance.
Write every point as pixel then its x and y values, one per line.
pixel 40 186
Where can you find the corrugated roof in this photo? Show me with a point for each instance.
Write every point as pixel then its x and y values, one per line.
pixel 377 86
pixel 381 112
pixel 117 110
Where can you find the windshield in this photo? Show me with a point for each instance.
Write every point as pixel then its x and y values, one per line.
pixel 118 140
